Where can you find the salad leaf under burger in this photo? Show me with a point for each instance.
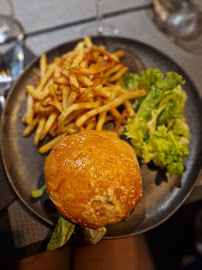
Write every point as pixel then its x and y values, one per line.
pixel 61 234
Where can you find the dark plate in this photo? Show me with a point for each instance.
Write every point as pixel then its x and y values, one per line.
pixel 161 196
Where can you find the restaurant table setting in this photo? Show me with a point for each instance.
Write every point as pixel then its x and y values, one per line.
pixel 52 26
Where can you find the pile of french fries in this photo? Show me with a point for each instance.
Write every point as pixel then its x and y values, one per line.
pixel 81 90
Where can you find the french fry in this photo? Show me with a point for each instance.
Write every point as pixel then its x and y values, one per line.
pixel 115 113
pixel 39 130
pixel 37 72
pixel 88 42
pixel 61 81
pixel 101 91
pixel 70 128
pixel 115 103
pixel 57 71
pixel 109 55
pixel 57 61
pixel 70 58
pixel 28 130
pixel 30 111
pixel 46 88
pixel 65 72
pixel 101 120
pixel 97 82
pixel 129 108
pixel 44 110
pixel 120 53
pixel 118 75
pixel 90 120
pixel 108 118
pixel 43 65
pixel 24 119
pixel 84 80
pixel 73 95
pixel 121 120
pixel 75 107
pixel 57 105
pixel 91 125
pixel 45 78
pixel 86 60
pixel 91 71
pixel 65 96
pixel 52 89
pixel 48 146
pixel 113 70
pixel 79 46
pixel 53 131
pixel 51 119
pixel 36 93
pixel 77 60
pixel 113 90
pixel 73 82
pixel 70 118
pixel 55 102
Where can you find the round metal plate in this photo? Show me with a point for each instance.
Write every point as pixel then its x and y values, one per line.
pixel 161 196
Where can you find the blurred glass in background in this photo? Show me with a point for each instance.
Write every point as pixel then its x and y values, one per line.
pixel 11 48
pixel 180 21
pixel 99 27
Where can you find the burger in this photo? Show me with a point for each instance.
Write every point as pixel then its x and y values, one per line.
pixel 93 178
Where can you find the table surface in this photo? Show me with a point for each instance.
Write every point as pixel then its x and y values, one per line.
pixel 50 23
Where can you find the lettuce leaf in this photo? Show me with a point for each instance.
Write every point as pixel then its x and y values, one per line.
pixel 38 192
pixel 61 234
pixel 143 80
pixel 159 91
pixel 92 236
pixel 159 132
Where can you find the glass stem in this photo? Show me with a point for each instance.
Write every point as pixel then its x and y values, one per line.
pixel 10 3
pixel 99 29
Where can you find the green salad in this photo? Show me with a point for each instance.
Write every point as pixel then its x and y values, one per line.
pixel 159 132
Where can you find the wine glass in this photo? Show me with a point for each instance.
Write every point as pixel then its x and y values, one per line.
pixel 181 21
pixel 99 27
pixel 11 48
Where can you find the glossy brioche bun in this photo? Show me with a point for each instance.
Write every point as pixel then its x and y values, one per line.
pixel 93 178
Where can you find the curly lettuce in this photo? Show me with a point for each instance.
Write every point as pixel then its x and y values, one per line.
pixel 159 132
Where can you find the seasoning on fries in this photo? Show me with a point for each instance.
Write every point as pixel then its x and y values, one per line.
pixel 81 90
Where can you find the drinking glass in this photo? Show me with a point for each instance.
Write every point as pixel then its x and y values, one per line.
pixel 99 27
pixel 181 21
pixel 11 40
